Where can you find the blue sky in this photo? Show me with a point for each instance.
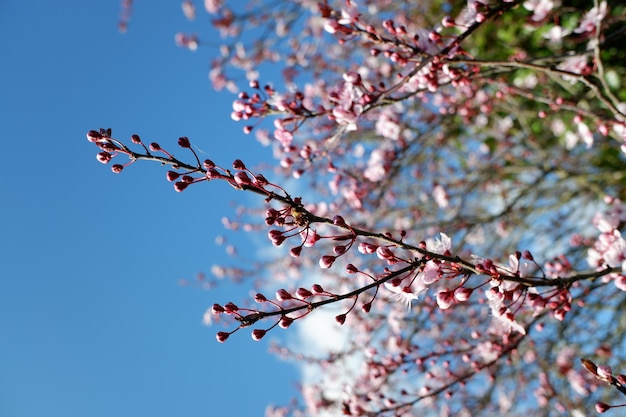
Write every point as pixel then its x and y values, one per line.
pixel 93 321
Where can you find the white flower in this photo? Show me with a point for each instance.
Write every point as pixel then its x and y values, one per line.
pixel 404 294
pixel 440 245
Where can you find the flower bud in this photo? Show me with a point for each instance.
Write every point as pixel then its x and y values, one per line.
pixel 180 186
pixel 317 289
pixel 285 322
pixel 283 295
pixel 257 334
pixel 104 157
pixel 327 261
pixel 238 164
pixel 94 136
pixel 222 336
pixel 183 142
pixel 172 175
pixel 303 293
pixel 230 307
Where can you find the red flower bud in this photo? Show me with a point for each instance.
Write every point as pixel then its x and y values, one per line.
pixel 258 334
pixel 222 336
pixel 117 168
pixel 230 307
pixel 155 147
pixel 303 293
pixel 285 322
pixel 282 295
pixel 183 142
pixel 295 252
pixel 180 186
pixel 238 164
pixel 341 318
pixel 104 157
pixel 94 136
pixel 172 175
pixel 327 261
pixel 317 289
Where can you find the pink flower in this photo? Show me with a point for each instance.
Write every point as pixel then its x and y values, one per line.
pixel 592 19
pixel 540 8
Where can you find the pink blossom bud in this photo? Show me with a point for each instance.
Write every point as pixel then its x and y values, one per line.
pixel 242 178
pixel 248 129
pixel 283 295
pixel 351 269
pixel 445 299
pixel 213 173
pixel 230 307
pixel 254 84
pixel 352 77
pixel 155 147
pixel 384 252
pixel 260 298
pixel 94 136
pixel 367 248
pixel 462 293
pixel 327 261
pixel 187 179
pixel 183 142
pixel 448 22
pixel 602 407
pixel 604 372
pixel 217 309
pixel 276 236
pixel 303 293
pixel 135 139
pixel 257 334
pixel 104 157
pixel 317 289
pixel 261 180
pixel 339 221
pixel 180 186
pixel 434 36
pixel 339 250
pixel 222 336
pixel 238 164
pixel 208 164
pixel 285 322
pixel 366 307
pixel 172 175
pixel 295 252
pixel 341 318
pixel 527 255
pixel 117 168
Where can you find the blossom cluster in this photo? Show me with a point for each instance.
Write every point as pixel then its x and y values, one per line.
pixel 456 158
